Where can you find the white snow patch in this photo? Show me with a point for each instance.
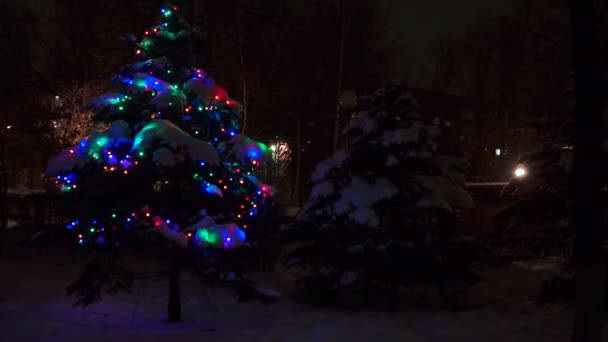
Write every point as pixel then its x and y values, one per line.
pixel 324 167
pixel 364 122
pixel 165 133
pixel 268 292
pixel 348 278
pixel 22 190
pixel 164 157
pixel 173 98
pixel 364 216
pixel 76 157
pixel 100 102
pixel 203 89
pixel 360 193
pixel 141 315
pixel 178 238
pixel 246 149
pixel 443 193
pixel 391 160
pixel 402 136
pixel 66 161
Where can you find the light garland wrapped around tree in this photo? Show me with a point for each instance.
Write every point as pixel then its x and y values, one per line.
pixel 172 146
pixel 171 162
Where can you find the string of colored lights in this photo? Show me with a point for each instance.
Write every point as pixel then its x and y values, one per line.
pixel 154 88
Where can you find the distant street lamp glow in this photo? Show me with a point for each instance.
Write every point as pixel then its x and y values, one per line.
pixel 520 172
pixel 9 127
pixel 498 152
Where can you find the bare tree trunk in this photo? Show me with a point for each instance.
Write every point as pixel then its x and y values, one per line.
pixel 199 20
pixel 589 252
pixel 243 68
pixel 174 306
pixel 340 77
pixel 3 190
pixel 296 190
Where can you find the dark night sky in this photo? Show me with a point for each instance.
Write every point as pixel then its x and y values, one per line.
pixel 419 22
pixel 416 22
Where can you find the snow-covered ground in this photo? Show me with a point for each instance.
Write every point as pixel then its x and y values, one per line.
pixel 33 307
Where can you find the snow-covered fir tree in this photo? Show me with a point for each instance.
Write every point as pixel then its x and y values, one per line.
pixel 171 163
pixel 382 212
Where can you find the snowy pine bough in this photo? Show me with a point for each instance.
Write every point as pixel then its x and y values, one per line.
pixel 171 160
pixel 171 164
pixel 381 213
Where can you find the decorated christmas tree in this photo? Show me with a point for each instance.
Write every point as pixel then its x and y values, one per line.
pixel 381 214
pixel 170 161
